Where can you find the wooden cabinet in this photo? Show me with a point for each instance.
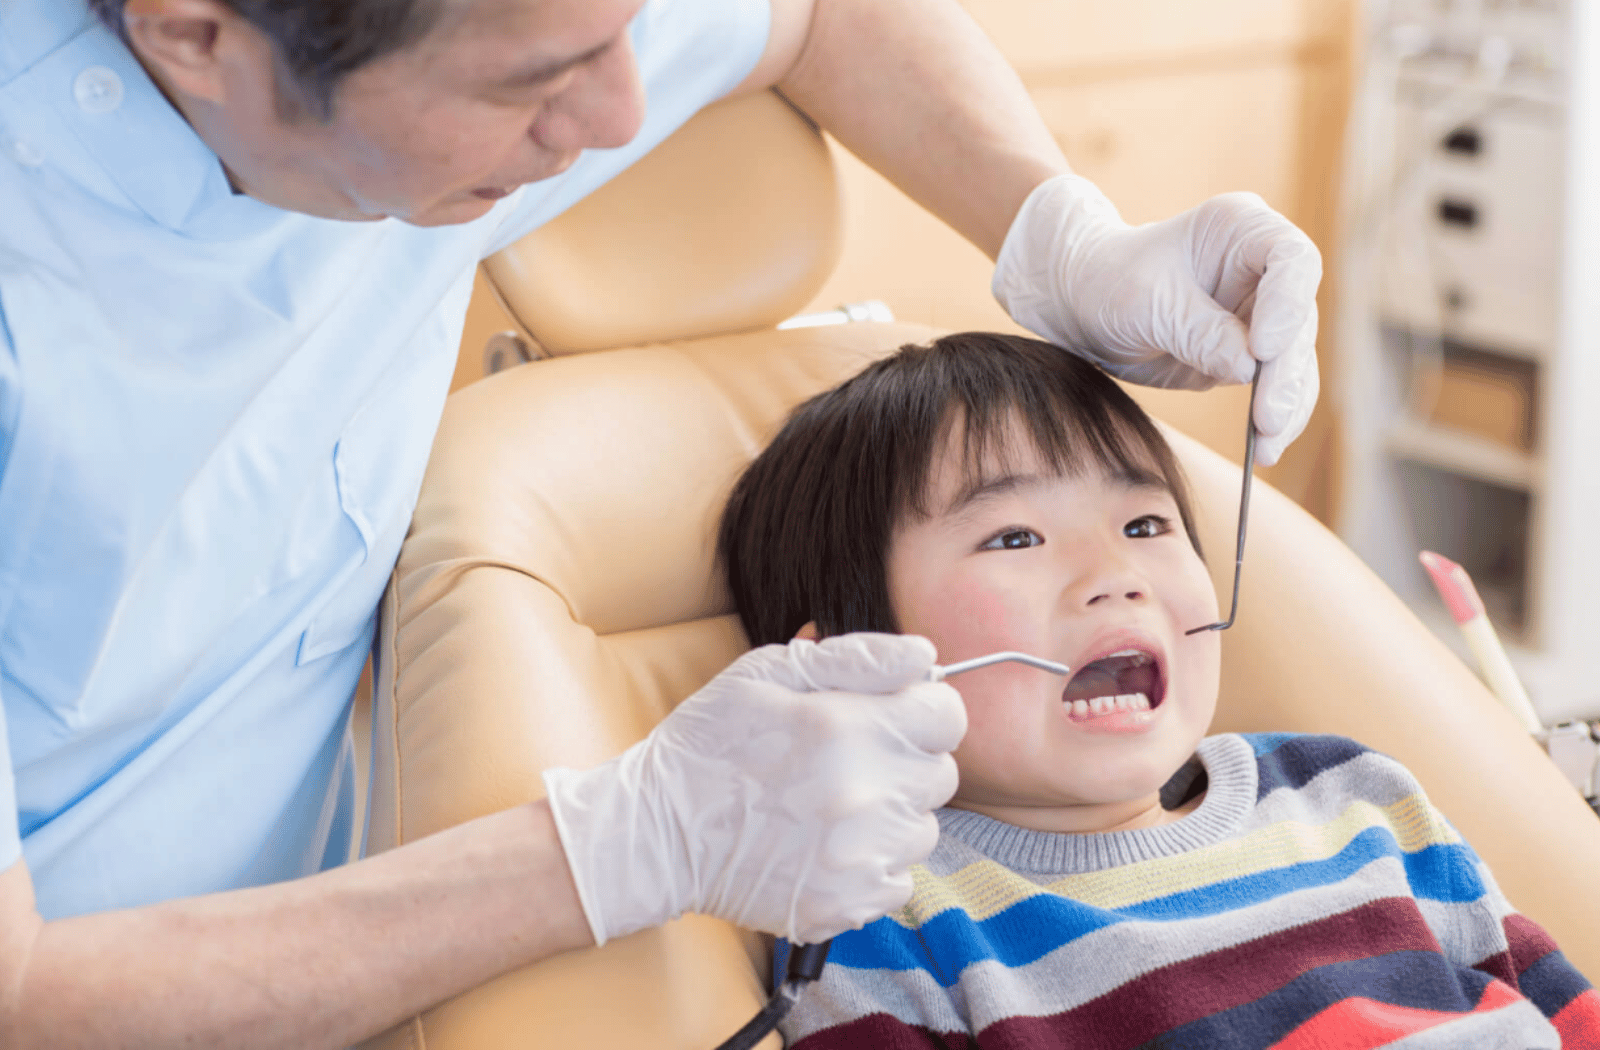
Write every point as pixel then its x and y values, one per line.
pixel 1048 37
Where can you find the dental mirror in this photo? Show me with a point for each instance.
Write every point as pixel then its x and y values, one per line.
pixel 1244 507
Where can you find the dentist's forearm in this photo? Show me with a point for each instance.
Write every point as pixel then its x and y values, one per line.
pixel 317 963
pixel 917 90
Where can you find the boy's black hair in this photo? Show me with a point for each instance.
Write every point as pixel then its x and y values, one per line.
pixel 805 535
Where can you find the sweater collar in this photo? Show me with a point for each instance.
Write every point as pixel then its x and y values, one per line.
pixel 1229 763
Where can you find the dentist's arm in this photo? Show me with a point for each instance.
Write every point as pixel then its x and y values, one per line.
pixel 916 90
pixel 789 795
pixel 317 963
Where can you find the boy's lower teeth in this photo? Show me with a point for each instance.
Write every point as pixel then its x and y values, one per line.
pixel 1108 705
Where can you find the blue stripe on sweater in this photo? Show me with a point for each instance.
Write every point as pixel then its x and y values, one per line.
pixel 1035 926
pixel 1551 983
pixel 1421 980
pixel 1266 743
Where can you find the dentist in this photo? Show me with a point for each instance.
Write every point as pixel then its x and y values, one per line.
pixel 236 246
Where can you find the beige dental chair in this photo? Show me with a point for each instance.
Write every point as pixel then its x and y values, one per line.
pixel 557 594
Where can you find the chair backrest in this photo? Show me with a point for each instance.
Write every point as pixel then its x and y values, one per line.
pixel 557 595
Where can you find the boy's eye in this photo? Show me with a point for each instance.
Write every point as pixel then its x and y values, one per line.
pixel 1014 539
pixel 1147 527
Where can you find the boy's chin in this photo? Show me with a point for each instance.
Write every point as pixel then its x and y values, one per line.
pixel 1061 812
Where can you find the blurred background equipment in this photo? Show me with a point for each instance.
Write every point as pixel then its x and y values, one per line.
pixel 1468 378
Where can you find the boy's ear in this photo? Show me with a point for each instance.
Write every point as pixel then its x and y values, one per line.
pixel 808 631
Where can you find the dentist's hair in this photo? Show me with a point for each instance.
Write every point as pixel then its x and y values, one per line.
pixel 806 532
pixel 317 43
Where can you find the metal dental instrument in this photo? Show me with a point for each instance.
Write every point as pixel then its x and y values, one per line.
pixel 1244 507
pixel 939 674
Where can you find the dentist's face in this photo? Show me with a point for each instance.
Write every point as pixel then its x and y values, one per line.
pixel 1095 572
pixel 499 93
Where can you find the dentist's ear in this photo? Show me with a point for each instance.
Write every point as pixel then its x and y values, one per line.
pixel 808 631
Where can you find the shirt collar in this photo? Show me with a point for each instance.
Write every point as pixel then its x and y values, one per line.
pixel 99 93
pixel 31 29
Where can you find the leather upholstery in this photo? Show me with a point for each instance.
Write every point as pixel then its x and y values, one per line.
pixel 641 262
pixel 556 597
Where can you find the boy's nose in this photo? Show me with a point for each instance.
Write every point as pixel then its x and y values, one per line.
pixel 1130 595
pixel 1108 578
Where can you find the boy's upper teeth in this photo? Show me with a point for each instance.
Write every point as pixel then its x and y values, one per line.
pixel 1137 655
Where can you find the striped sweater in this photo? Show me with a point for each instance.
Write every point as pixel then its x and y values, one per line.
pixel 1313 900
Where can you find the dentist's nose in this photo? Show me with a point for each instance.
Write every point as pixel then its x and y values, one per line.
pixel 603 107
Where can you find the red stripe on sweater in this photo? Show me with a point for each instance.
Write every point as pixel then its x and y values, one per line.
pixel 1527 941
pixel 1363 1024
pixel 1579 1022
pixel 1155 1003
pixel 882 1032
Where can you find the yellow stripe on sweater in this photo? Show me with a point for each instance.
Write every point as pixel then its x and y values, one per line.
pixel 985 888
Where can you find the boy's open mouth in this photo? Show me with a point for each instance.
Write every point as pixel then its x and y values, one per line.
pixel 1127 680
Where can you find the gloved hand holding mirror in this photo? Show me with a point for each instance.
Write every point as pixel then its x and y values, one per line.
pixel 790 795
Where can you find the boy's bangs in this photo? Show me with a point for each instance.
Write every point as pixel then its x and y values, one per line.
pixel 1067 440
pixel 1076 427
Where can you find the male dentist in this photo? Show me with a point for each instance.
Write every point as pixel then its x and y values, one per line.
pixel 236 246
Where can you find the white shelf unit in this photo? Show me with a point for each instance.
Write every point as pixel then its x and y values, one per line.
pixel 1471 231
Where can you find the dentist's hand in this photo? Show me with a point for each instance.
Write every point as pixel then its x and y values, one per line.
pixel 1185 302
pixel 789 795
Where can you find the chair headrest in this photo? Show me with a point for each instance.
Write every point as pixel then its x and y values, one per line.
pixel 732 224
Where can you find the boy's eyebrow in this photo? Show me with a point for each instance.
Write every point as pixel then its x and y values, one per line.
pixel 983 489
pixel 1141 478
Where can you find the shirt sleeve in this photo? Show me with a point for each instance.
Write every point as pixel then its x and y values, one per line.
pixel 1534 965
pixel 690 53
pixel 10 838
pixel 1491 936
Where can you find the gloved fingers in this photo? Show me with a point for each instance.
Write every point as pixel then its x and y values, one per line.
pixel 1286 297
pixel 941 783
pixel 888 893
pixel 1211 340
pixel 1295 385
pixel 919 845
pixel 855 663
pixel 1288 389
pixel 930 716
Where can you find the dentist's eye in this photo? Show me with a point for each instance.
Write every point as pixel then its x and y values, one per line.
pixel 1148 527
pixel 1014 539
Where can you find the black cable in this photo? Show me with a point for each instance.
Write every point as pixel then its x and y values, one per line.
pixel 805 966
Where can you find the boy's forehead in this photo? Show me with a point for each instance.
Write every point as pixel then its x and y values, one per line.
pixel 963 472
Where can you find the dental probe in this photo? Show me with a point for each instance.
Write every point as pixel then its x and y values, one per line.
pixel 1244 508
pixel 806 960
pixel 939 674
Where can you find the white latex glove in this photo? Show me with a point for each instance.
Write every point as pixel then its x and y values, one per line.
pixel 1168 303
pixel 789 795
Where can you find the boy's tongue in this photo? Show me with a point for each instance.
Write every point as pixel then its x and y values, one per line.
pixel 1111 677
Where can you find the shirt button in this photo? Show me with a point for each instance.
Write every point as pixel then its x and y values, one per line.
pixel 25 153
pixel 98 90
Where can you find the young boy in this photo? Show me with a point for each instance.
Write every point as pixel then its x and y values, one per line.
pixel 1107 875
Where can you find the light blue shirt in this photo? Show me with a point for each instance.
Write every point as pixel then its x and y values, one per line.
pixel 214 419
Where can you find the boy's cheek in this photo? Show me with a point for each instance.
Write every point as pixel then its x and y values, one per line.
pixel 966 621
